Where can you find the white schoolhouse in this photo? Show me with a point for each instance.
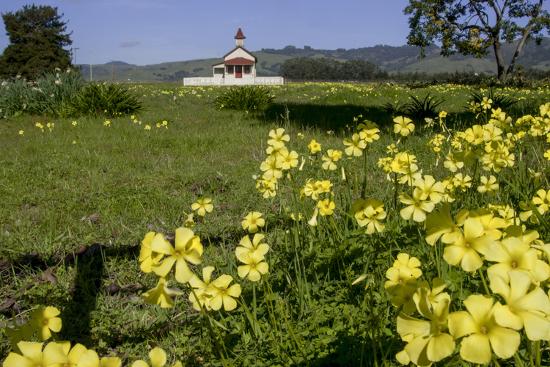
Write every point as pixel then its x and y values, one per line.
pixel 237 68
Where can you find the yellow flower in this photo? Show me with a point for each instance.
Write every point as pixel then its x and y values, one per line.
pixel 430 189
pixel 288 160
pixel 223 294
pixel 254 262
pixel 542 201
pixel 161 295
pixel 107 123
pixel 547 154
pixel 202 206
pixel 188 248
pixel 442 115
pixel 330 158
pixel 466 248
pixel 486 103
pixel 524 308
pixel 314 146
pixel 355 146
pixel 513 253
pixel 74 123
pixel 427 340
pixel 404 268
pixel 369 213
pixel 489 184
pixel 78 356
pixel 158 358
pixel 403 126
pixel 147 127
pixel 147 258
pixel 272 167
pixel 32 355
pixel 45 320
pixel 252 222
pixel 481 333
pixel 201 294
pixel 21 132
pixel 326 207
pixel 416 208
pixel 439 224
pixel 110 362
pixel 278 138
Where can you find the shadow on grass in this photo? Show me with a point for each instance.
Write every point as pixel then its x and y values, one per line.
pixel 328 117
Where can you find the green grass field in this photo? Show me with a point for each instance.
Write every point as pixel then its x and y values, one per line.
pixel 77 200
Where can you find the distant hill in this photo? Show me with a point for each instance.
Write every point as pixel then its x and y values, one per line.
pixel 390 58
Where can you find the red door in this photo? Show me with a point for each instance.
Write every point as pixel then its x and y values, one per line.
pixel 238 71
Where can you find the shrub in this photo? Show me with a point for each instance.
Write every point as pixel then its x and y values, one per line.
pixel 420 108
pixel 51 94
pixel 108 99
pixel 498 100
pixel 245 98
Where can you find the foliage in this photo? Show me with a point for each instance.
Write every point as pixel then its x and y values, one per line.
pixel 38 37
pixel 303 68
pixel 106 99
pixel 501 101
pixel 420 108
pixel 52 94
pixel 359 224
pixel 473 27
pixel 244 98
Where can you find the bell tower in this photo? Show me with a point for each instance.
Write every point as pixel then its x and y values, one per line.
pixel 239 38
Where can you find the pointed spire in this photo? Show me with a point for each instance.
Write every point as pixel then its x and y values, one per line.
pixel 239 35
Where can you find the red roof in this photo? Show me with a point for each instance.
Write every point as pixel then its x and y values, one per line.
pixel 239 35
pixel 239 61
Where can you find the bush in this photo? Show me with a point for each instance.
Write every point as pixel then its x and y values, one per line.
pixel 245 98
pixel 108 99
pixel 498 100
pixel 52 94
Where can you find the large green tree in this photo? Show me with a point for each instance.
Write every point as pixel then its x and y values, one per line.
pixel 476 27
pixel 38 39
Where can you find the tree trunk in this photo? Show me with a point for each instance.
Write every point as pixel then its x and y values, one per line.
pixel 519 48
pixel 501 71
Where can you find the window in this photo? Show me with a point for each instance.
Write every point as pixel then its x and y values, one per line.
pixel 229 69
pixel 247 69
pixel 218 70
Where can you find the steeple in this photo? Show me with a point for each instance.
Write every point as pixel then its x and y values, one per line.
pixel 239 38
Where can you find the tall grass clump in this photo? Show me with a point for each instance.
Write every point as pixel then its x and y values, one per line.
pixel 52 94
pixel 108 99
pixel 245 98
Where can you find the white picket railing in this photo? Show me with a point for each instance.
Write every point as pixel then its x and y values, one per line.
pixel 260 80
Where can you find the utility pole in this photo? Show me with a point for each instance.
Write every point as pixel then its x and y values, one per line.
pixel 91 73
pixel 73 53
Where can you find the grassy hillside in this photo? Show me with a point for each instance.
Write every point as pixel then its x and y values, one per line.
pixel 390 58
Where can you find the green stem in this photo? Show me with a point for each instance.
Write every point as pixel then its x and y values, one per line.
pixel 484 281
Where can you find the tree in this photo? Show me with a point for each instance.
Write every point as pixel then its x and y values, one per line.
pixel 475 27
pixel 38 38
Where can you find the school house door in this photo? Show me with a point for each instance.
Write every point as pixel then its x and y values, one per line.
pixel 238 71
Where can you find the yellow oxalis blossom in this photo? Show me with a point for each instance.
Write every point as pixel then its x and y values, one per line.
pixel 78 356
pixel 369 213
pixel 439 224
pixel 430 189
pixel 278 138
pixel 188 248
pixel 524 308
pixel 148 258
pixel 330 158
pixel 45 320
pixel 403 126
pixel 488 184
pixel 202 206
pixel 466 248
pixel 158 358
pixel 32 355
pixel 355 146
pixel 110 362
pixel 314 146
pixel 513 253
pixel 480 332
pixel 326 207
pixel 427 341
pixel 223 294
pixel 417 207
pixel 401 283
pixel 542 201
pixel 161 295
pixel 254 262
pixel 252 222
pixel 202 289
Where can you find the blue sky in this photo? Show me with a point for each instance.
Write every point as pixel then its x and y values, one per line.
pixel 153 31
